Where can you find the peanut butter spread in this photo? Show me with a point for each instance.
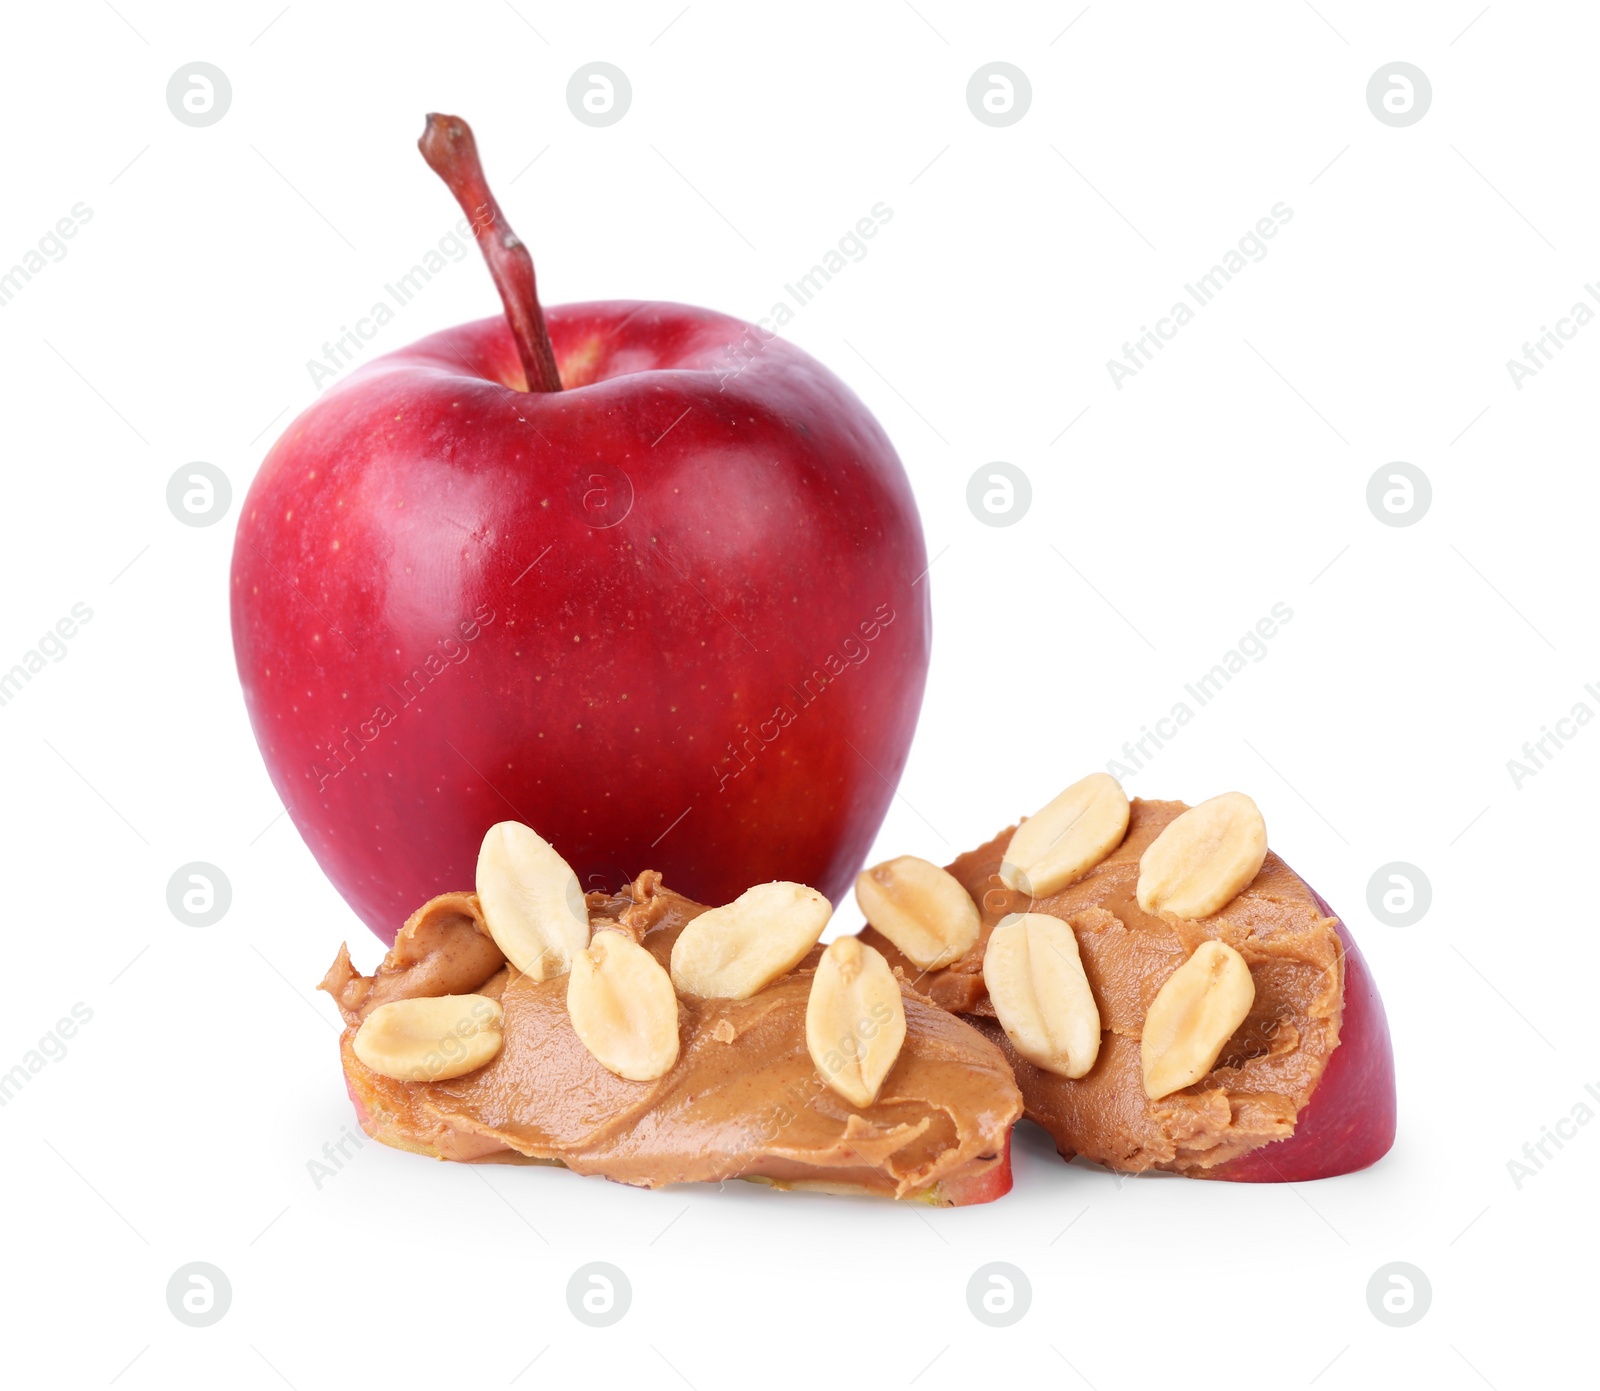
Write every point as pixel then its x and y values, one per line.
pixel 1267 1070
pixel 743 1100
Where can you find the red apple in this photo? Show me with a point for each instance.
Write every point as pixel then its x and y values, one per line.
pixel 642 576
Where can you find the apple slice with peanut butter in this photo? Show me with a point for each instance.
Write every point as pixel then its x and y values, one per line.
pixel 609 1068
pixel 1170 994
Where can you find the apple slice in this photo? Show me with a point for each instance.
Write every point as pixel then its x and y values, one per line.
pixel 735 1093
pixel 1302 1088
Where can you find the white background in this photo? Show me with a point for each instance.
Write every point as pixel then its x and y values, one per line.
pixel 1229 475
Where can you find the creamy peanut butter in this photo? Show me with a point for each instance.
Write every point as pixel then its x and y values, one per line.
pixel 744 1099
pixel 1267 1070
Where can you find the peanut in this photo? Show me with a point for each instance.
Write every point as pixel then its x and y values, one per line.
pixel 1191 1019
pixel 921 908
pixel 1066 838
pixel 855 1020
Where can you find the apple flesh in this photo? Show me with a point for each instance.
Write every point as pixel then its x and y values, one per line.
pixel 672 614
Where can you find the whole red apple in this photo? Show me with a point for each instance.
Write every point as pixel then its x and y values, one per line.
pixel 642 576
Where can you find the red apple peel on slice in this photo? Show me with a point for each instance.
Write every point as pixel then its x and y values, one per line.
pixel 1350 1120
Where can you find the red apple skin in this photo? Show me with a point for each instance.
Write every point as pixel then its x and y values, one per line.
pixel 969 1190
pixel 597 596
pixel 1349 1122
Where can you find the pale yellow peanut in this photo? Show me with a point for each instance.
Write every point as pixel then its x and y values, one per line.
pixel 1203 858
pixel 732 952
pixel 855 1020
pixel 1040 993
pixel 623 1008
pixel 531 901
pixel 921 908
pixel 429 1038
pixel 1197 1010
pixel 1066 838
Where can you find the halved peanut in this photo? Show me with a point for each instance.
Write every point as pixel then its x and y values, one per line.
pixel 1067 838
pixel 623 1008
pixel 531 901
pixel 1203 858
pixel 1040 993
pixel 730 953
pixel 855 1020
pixel 429 1038
pixel 1193 1016
pixel 921 908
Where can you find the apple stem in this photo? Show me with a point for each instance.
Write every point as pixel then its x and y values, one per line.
pixel 452 154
